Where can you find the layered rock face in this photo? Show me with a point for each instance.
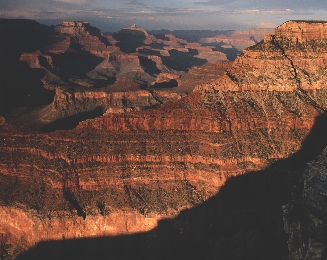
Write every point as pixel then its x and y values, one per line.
pixel 302 31
pixel 204 74
pixel 88 37
pixel 123 172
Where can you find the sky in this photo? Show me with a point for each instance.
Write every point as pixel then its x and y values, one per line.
pixel 113 15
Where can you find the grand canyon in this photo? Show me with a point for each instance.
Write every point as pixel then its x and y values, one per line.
pixel 146 145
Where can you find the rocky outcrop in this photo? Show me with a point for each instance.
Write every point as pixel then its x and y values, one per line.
pixel 205 74
pixel 72 36
pixel 302 31
pixel 82 34
pixel 33 59
pixel 77 28
pixel 265 65
pixel 75 101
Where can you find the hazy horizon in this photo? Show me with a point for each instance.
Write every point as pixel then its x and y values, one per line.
pixel 111 16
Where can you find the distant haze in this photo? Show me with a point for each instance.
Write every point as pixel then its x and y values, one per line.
pixel 168 14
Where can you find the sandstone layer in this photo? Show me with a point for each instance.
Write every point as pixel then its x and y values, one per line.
pixel 121 173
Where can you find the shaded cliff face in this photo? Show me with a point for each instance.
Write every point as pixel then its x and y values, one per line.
pixel 18 36
pixel 123 172
pixel 305 216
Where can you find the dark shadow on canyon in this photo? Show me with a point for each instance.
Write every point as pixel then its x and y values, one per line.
pixel 157 45
pixel 168 84
pixel 71 122
pixel 20 85
pixel 231 53
pixel 182 61
pixel 25 90
pixel 129 40
pixel 242 222
pixel 96 32
pixel 100 83
pixel 75 66
pixel 75 63
pixel 104 40
pixel 149 52
pixel 149 66
pixel 161 36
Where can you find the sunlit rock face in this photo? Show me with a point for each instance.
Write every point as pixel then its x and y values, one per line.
pixel 302 31
pixel 122 172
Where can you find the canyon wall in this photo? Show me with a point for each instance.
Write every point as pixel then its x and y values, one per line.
pixel 121 173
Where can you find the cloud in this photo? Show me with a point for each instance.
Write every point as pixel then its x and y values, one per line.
pixel 273 12
pixel 266 25
pixel 167 14
pixel 152 18
pixel 215 2
pixel 80 2
pixel 267 4
pixel 131 2
pixel 36 14
pixel 135 2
